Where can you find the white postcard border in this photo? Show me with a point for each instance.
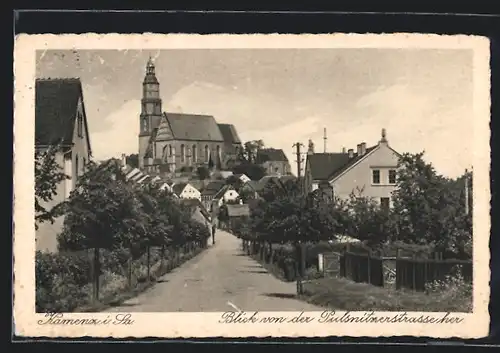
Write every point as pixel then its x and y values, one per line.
pixel 28 323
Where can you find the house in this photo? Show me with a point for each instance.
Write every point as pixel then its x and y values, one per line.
pixel 371 170
pixel 208 193
pixel 274 161
pixel 186 191
pixel 243 178
pixel 61 122
pixel 237 213
pixel 227 194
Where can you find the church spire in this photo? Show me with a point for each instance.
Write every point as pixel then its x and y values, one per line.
pixel 150 67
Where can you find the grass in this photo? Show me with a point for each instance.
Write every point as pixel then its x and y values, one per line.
pixel 343 294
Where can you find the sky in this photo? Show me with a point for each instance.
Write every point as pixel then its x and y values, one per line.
pixel 422 97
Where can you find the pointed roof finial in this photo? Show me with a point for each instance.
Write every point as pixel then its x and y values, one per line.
pixel 384 136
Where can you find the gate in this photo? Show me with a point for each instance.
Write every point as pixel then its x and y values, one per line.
pixel 329 264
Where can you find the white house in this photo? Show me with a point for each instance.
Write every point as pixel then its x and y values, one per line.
pixel 243 178
pixel 61 121
pixel 372 170
pixel 186 191
pixel 226 195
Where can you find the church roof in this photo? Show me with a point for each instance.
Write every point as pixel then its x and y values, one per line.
pixel 194 127
pixel 56 103
pixel 229 133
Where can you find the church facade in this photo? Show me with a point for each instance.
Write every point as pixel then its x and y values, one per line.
pixel 170 142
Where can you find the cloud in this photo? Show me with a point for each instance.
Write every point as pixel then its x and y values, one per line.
pixel 415 121
pixel 121 136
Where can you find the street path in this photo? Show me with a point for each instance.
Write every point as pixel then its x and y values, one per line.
pixel 221 278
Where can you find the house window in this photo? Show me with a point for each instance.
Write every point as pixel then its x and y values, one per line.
pixel 80 124
pixel 194 153
pixel 183 154
pixel 392 176
pixel 206 153
pixel 376 176
pixel 384 203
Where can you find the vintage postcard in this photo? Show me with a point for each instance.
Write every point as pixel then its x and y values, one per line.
pixel 251 185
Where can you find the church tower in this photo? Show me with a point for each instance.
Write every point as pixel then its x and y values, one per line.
pixel 150 109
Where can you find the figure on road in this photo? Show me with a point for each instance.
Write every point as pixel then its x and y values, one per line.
pixel 213 233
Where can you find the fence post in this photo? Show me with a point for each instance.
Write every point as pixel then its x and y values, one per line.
pixel 398 275
pixel 414 267
pixel 369 268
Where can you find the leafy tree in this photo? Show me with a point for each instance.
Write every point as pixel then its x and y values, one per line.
pixel 48 175
pixel 367 221
pixel 102 213
pixel 248 154
pixel 430 208
pixel 132 160
pixel 253 171
pixel 203 173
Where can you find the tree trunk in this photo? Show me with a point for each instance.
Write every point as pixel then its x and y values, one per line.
pixel 271 253
pixel 129 262
pixel 148 252
pixel 162 258
pixel 97 271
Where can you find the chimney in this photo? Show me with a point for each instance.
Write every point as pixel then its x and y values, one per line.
pixel 358 151
pixel 384 136
pixel 343 150
pixel 363 148
pixel 124 159
pixel 350 152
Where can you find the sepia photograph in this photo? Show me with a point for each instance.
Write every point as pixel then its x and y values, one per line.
pixel 322 183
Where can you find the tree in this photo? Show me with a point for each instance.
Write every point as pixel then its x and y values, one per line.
pixel 203 173
pixel 367 221
pixel 429 208
pixel 132 160
pixel 253 171
pixel 102 213
pixel 248 154
pixel 48 175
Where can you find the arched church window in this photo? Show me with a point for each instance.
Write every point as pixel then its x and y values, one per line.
pixel 183 153
pixel 206 153
pixel 194 153
pixel 170 150
pixel 144 124
pixel 218 151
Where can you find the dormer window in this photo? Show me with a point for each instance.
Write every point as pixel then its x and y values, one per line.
pixel 79 122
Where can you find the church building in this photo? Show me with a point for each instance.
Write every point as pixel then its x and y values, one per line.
pixel 170 142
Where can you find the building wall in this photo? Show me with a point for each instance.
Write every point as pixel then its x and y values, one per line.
pixel 360 176
pixel 190 192
pixel 230 195
pixel 189 160
pixel 72 162
pixel 277 167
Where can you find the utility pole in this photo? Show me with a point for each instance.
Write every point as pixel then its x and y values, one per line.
pixel 324 140
pixel 299 161
pixel 466 192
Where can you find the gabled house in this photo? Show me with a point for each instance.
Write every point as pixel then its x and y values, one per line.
pixel 227 194
pixel 371 170
pixel 243 178
pixel 274 161
pixel 186 191
pixel 208 193
pixel 61 121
